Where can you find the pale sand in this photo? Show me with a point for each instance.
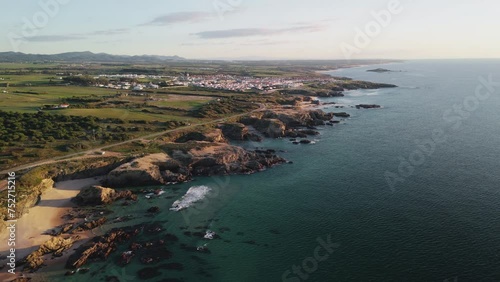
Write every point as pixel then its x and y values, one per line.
pixel 44 217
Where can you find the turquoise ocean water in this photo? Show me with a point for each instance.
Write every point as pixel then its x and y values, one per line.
pixel 439 221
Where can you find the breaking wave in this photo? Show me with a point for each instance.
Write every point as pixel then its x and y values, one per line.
pixel 193 195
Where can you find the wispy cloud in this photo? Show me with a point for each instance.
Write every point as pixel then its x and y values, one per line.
pixel 180 17
pixel 266 42
pixel 258 42
pixel 52 38
pixel 205 43
pixel 246 32
pixel 109 31
pixel 319 21
pixel 109 41
pixel 75 36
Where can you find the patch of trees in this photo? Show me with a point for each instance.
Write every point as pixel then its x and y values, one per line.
pixel 139 71
pixel 85 80
pixel 26 136
pixel 223 107
pixel 43 128
pixel 75 99
pixel 22 127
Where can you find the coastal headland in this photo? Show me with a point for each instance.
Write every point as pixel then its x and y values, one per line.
pixel 61 201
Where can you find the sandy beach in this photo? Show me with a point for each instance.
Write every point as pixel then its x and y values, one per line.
pixel 44 217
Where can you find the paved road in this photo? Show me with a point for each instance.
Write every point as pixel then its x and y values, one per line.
pixel 61 158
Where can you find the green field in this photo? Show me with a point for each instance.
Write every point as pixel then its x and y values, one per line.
pixel 124 114
pixel 27 93
pixel 98 116
pixel 43 95
pixel 186 104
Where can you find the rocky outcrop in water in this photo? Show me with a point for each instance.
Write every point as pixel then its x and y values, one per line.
pixel 204 159
pixel 101 247
pixel 91 224
pixel 98 195
pixel 223 160
pixel 342 115
pixel 380 70
pixel 365 106
pixel 55 246
pixel 276 124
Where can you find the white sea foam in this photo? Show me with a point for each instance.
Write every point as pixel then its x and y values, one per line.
pixel 193 195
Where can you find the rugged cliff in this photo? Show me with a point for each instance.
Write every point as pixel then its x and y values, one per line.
pixel 27 196
pixel 202 159
pixel 145 171
pixel 98 195
pixel 31 185
pixel 290 123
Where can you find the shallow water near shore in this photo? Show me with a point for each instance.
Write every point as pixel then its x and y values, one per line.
pixel 438 223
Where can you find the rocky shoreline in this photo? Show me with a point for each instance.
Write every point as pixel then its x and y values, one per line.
pixel 193 154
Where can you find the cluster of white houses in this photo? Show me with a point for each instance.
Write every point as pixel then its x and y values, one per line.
pixel 220 81
pixel 130 86
pixel 123 81
pixel 238 83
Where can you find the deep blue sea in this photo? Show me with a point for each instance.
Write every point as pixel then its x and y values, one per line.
pixel 408 192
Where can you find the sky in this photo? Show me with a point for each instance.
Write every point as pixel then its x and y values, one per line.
pixel 257 29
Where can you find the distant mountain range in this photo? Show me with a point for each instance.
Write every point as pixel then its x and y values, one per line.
pixel 80 57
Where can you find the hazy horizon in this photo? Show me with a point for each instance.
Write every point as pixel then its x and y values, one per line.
pixel 257 30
